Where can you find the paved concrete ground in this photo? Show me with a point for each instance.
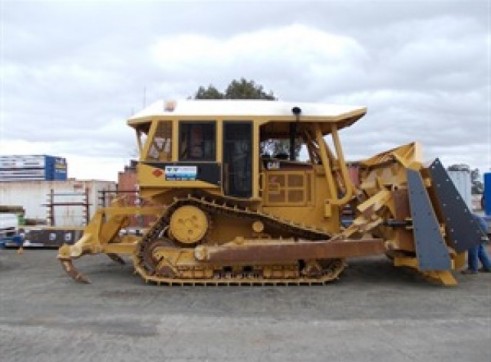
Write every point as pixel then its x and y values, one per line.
pixel 373 313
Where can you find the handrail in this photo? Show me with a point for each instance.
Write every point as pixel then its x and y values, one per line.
pixel 333 190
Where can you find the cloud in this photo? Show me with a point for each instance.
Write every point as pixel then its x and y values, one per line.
pixel 72 72
pixel 295 52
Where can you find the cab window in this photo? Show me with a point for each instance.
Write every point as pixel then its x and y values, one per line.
pixel 197 141
pixel 161 145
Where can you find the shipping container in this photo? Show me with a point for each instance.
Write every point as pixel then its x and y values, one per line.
pixel 34 197
pixel 33 167
pixel 487 194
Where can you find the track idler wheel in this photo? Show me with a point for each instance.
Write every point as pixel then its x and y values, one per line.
pixel 148 259
pixel 188 225
pixel 312 269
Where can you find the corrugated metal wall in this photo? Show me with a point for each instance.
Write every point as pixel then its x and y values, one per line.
pixel 33 196
pixel 462 181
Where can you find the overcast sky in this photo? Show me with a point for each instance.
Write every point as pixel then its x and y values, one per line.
pixel 72 72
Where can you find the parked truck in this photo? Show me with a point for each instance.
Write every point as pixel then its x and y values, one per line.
pixel 10 234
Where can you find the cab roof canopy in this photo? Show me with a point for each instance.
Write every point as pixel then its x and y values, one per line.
pixel 240 110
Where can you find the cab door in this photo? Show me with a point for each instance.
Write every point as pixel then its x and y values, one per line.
pixel 237 159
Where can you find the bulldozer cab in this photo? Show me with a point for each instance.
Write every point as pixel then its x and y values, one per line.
pixel 251 150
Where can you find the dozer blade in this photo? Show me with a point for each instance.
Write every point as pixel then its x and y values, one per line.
pixel 461 227
pixel 431 250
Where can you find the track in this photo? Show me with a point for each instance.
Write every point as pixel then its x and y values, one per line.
pixel 159 260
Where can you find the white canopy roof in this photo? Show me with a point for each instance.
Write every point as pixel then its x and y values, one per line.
pixel 241 108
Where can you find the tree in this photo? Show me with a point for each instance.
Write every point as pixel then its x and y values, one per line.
pixel 477 185
pixel 244 89
pixel 237 89
pixel 208 93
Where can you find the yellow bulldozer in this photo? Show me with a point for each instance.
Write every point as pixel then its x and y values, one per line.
pixel 229 210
